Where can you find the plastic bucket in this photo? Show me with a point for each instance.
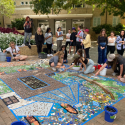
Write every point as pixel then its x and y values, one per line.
pixel 110 116
pixel 18 123
pixel 99 66
pixel 8 59
pixel 3 56
pixel 103 72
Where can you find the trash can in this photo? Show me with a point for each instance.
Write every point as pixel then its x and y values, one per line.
pixel 3 56
pixel 18 123
pixel 8 59
pixel 110 113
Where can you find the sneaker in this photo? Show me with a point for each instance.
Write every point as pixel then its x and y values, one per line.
pixel 29 44
pixel 23 45
pixel 68 54
pixel 114 74
pixel 72 54
pixel 51 54
pixel 54 69
pixel 48 55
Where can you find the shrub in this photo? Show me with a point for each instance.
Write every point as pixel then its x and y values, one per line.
pixel 6 38
pixel 18 23
pixel 109 28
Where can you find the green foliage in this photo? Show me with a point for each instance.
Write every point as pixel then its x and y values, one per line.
pixel 109 28
pixel 18 23
pixel 115 7
pixel 6 38
pixel 7 7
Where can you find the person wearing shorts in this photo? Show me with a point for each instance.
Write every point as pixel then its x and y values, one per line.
pixel 73 40
pixel 68 38
pixel 15 52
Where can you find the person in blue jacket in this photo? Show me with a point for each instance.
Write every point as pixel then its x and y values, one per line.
pixel 121 43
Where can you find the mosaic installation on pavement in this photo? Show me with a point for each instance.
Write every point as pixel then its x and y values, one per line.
pixel 87 98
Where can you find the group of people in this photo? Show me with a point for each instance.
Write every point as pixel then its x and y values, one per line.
pixel 81 42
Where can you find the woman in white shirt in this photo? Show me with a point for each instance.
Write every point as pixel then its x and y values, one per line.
pixel 59 36
pixel 68 37
pixel 111 43
pixel 15 52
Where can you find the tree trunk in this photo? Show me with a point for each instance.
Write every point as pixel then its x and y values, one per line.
pixel 106 17
pixel 3 21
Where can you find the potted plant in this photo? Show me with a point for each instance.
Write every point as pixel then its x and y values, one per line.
pixel 42 55
pixel 76 67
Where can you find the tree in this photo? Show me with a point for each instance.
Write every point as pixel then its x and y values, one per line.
pixel 115 7
pixel 6 8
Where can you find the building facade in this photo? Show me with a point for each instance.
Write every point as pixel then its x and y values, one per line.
pixel 83 16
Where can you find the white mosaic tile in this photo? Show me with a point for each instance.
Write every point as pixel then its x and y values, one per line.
pixel 21 102
pixel 34 109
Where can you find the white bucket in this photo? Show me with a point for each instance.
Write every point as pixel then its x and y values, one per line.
pixel 103 72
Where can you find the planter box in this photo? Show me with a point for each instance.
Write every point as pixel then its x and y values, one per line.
pixel 42 55
pixel 3 56
pixel 20 31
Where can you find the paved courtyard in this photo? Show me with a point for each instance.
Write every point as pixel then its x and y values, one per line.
pixel 60 88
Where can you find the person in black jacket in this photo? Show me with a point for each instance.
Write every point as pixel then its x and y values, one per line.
pixel 73 40
pixel 39 38
pixel 63 48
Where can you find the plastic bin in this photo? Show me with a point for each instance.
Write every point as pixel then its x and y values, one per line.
pixel 8 59
pixel 110 116
pixel 18 123
pixel 3 56
pixel 103 72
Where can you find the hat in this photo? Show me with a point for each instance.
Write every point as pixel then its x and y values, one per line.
pixel 75 56
pixel 86 30
pixel 111 57
pixel 73 28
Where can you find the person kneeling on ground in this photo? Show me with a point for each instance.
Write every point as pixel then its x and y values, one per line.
pixel 87 64
pixel 57 60
pixel 15 52
pixel 63 48
pixel 115 60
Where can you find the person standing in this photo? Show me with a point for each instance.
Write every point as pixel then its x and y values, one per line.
pixel 39 38
pixel 121 43
pixel 87 43
pixel 28 30
pixel 49 41
pixel 111 43
pixel 79 36
pixel 102 46
pixel 59 36
pixel 68 38
pixel 73 40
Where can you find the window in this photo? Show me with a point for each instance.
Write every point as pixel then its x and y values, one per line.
pixel 22 3
pixel 96 21
pixel 116 21
pixel 9 26
pixel 26 3
pixel 79 6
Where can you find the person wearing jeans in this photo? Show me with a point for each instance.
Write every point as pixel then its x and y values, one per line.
pixel 28 30
pixel 121 43
pixel 59 36
pixel 49 41
pixel 87 43
pixel 102 47
pixel 79 37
